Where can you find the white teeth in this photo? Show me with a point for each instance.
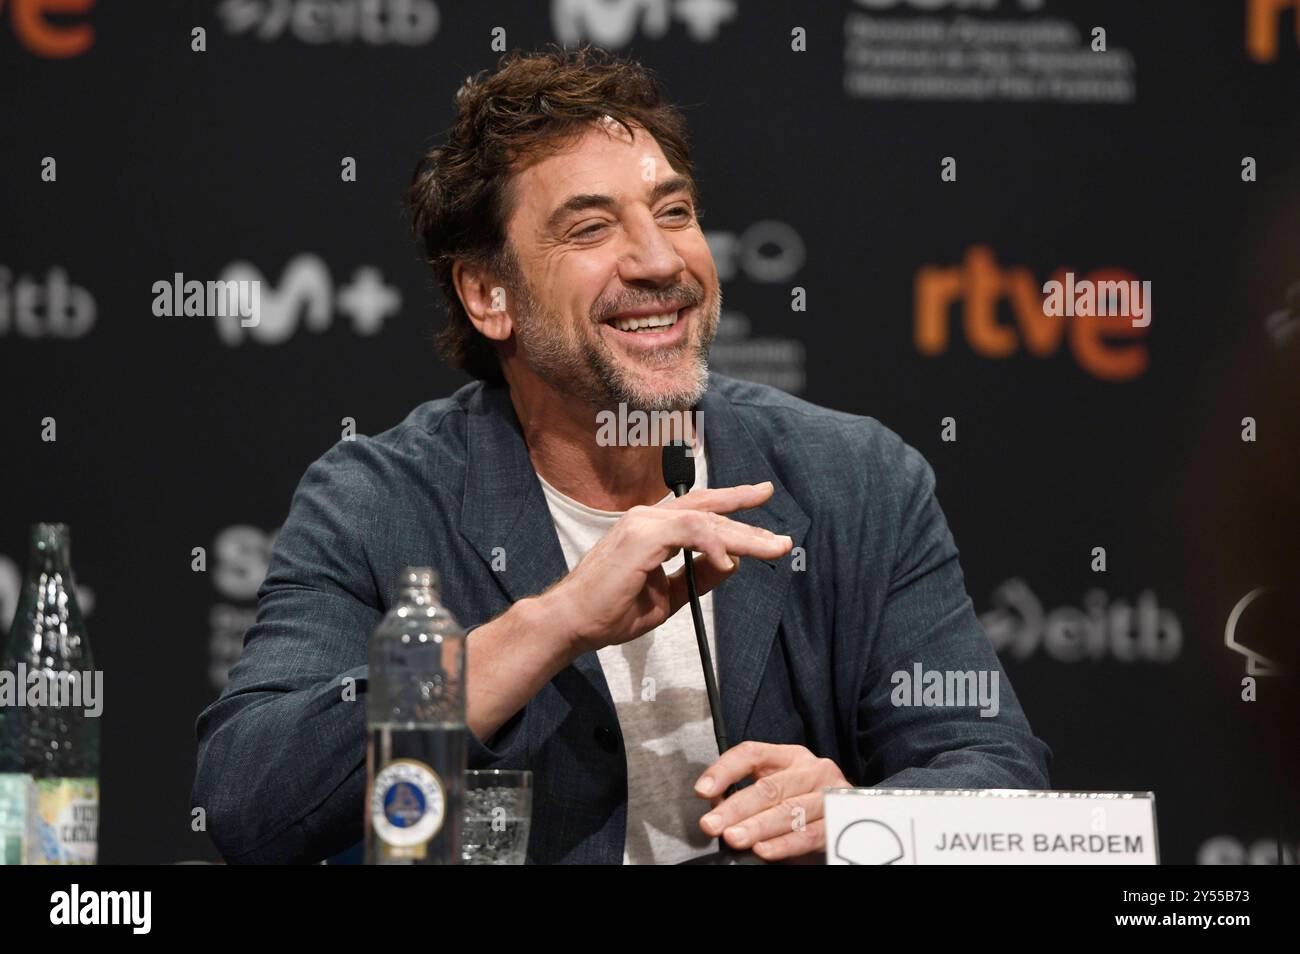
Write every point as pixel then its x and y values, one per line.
pixel 656 322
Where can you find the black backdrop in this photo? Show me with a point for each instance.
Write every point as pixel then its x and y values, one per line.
pixel 820 169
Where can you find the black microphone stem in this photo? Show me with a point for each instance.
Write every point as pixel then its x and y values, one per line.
pixel 710 682
pixel 706 657
pixel 679 476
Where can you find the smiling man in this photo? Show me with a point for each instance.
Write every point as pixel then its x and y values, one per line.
pixel 562 222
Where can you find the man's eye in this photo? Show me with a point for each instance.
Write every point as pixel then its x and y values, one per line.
pixel 589 230
pixel 680 210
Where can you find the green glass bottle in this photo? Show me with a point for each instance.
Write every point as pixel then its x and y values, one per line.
pixel 49 724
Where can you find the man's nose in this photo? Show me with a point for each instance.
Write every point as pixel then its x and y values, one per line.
pixel 649 255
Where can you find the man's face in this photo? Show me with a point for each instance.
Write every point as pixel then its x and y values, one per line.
pixel 618 300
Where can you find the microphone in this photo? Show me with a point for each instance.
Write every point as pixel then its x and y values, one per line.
pixel 679 476
pixel 679 467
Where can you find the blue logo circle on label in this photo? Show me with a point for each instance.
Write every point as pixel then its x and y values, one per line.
pixel 403 804
pixel 408 803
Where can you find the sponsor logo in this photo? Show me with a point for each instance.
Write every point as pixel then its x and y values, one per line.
pixel 947 50
pixel 1104 628
pixel 1108 349
pixel 1264 20
pixel 374 22
pixel 616 23
pixel 241 554
pixel 56 40
pixel 306 295
pixel 767 252
pixel 54 308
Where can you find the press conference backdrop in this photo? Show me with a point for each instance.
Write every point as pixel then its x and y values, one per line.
pixel 887 185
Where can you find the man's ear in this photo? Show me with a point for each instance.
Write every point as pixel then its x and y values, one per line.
pixel 485 301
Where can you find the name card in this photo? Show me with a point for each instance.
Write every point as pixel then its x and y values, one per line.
pixel 992 826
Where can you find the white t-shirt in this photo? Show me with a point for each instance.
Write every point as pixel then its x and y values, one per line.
pixel 657 684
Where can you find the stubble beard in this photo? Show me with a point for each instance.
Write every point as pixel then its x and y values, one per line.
pixel 588 370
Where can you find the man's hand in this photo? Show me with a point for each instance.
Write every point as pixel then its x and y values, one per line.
pixel 619 590
pixel 781 815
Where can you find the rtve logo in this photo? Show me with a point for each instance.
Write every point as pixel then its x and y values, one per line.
pixel 978 285
pixel 54 39
pixel 1263 22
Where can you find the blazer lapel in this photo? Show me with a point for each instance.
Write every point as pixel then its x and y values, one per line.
pixel 505 508
pixel 747 607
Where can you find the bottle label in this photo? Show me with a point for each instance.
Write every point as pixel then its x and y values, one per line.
pixel 408 805
pixel 67 821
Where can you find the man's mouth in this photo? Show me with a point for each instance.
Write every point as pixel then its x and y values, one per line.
pixel 647 324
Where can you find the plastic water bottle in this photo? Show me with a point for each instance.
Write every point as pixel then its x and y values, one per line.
pixel 415 721
pixel 50 701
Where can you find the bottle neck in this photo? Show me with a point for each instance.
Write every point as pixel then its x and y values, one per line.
pixel 49 551
pixel 47 621
pixel 419 595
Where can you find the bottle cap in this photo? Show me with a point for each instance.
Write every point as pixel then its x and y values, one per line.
pixel 50 541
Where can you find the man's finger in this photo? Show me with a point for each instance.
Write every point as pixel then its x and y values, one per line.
pixel 743 760
pixel 795 844
pixel 705 533
pixel 722 499
pixel 766 793
pixel 707 576
pixel 792 815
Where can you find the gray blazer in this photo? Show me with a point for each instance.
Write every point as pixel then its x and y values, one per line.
pixel 808 645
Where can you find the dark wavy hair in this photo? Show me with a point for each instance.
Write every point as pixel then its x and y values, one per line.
pixel 531 106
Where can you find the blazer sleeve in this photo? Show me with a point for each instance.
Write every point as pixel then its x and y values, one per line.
pixel 928 619
pixel 281 772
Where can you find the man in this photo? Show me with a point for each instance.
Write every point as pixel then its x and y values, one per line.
pixel 561 220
